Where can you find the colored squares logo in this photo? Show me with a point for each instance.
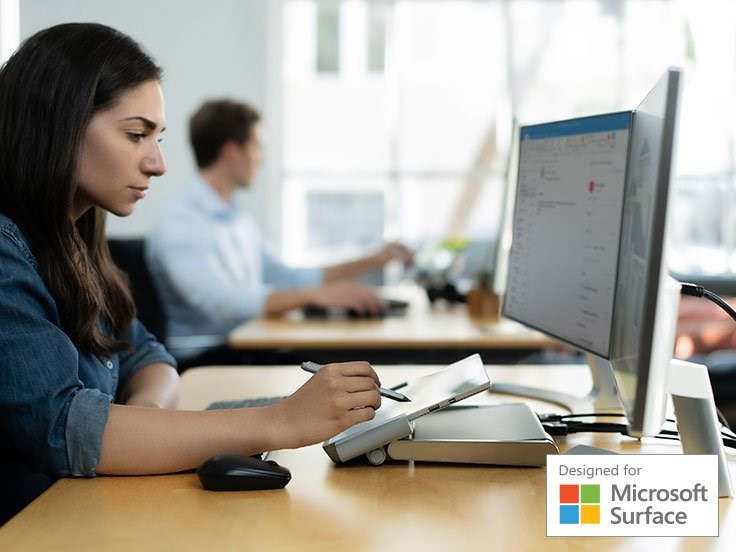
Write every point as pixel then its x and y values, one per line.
pixel 580 504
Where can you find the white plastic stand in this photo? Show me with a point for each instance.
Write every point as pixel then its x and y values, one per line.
pixel 602 397
pixel 697 421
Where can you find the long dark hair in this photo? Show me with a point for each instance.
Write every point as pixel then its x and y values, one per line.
pixel 49 90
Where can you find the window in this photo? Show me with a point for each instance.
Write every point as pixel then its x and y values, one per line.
pixel 328 37
pixel 9 28
pixel 400 112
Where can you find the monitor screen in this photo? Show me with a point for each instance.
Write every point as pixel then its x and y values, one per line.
pixel 566 227
pixel 645 311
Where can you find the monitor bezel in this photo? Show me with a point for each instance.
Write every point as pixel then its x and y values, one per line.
pixel 642 418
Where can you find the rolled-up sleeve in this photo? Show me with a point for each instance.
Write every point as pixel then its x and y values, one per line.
pixel 46 415
pixel 85 424
pixel 89 408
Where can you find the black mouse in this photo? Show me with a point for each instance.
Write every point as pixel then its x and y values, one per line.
pixel 231 472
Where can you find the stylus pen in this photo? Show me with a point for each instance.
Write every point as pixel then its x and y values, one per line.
pixel 313 367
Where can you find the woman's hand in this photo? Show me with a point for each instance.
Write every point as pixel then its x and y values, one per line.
pixel 335 398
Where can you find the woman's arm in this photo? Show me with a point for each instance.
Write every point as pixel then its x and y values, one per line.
pixel 139 441
pixel 155 386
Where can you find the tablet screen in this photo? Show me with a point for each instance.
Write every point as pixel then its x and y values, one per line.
pixel 457 381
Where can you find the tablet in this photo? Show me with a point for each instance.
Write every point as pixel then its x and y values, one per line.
pixel 435 391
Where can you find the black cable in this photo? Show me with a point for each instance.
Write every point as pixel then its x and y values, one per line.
pixel 566 428
pixel 558 428
pixel 565 424
pixel 695 290
pixel 722 419
pixel 556 425
pixel 674 435
pixel 562 417
pixel 725 428
pixel 720 302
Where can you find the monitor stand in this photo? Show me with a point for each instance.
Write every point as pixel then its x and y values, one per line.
pixel 602 397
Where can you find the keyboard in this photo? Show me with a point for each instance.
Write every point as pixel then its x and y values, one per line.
pixel 244 403
pixel 394 307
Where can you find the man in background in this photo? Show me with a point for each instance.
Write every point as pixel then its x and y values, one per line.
pixel 210 263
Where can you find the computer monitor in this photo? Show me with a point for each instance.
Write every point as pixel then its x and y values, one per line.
pixel 563 259
pixel 647 298
pixel 500 258
pixel 565 231
pixel 586 263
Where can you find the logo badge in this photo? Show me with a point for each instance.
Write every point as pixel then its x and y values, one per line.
pixel 632 495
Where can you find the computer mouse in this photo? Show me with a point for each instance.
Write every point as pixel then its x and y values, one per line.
pixel 232 472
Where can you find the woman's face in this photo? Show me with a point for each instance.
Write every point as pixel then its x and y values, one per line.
pixel 120 152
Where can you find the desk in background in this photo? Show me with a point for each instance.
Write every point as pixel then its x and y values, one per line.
pixel 424 335
pixel 327 507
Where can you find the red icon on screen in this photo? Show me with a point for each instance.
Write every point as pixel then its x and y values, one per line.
pixel 591 186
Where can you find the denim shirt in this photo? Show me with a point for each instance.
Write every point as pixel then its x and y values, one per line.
pixel 54 398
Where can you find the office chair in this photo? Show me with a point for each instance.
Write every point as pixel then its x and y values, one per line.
pixel 129 256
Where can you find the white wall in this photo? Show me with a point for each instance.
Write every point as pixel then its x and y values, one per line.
pixel 207 49
pixel 8 28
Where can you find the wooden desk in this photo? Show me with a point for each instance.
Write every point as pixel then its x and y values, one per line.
pixel 390 507
pixel 435 329
pixel 422 328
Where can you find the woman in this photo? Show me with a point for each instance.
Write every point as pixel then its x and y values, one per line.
pixel 84 388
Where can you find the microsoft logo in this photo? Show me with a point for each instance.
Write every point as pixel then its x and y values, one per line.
pixel 580 504
pixel 638 495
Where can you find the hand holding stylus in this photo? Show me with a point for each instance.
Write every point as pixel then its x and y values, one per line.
pixel 313 368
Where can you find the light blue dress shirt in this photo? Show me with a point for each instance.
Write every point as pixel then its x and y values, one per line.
pixel 211 266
